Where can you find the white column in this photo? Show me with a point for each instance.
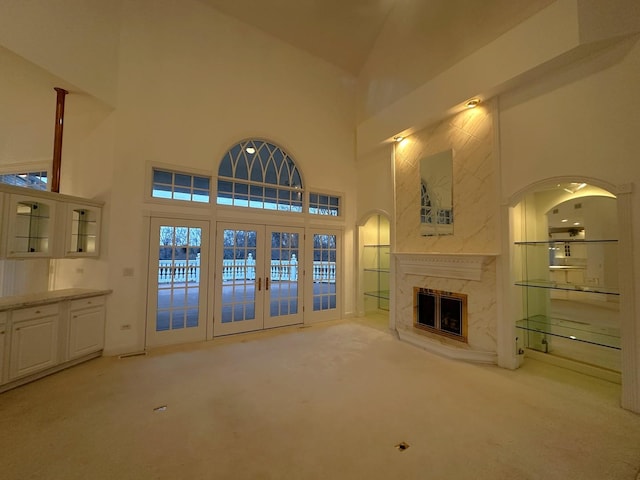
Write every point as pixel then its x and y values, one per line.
pixel 629 291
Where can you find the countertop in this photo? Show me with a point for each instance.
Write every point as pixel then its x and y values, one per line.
pixel 43 298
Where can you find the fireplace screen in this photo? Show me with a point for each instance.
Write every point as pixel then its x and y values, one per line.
pixel 444 313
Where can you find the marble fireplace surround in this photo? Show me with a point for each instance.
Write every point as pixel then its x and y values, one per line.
pixel 473 274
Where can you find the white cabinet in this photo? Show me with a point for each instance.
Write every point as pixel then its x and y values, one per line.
pixel 34 340
pixel 38 224
pixel 60 329
pixel 86 326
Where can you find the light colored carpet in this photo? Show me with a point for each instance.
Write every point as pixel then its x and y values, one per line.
pixel 326 402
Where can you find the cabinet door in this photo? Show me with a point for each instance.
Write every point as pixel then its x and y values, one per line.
pixel 86 331
pixel 31 227
pixel 83 231
pixel 34 345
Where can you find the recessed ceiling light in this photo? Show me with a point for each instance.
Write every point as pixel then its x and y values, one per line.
pixel 250 150
pixel 398 138
pixel 576 223
pixel 473 103
pixel 565 220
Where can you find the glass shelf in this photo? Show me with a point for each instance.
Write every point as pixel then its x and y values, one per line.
pixel 384 294
pixel 572 287
pixel 580 332
pixel 551 242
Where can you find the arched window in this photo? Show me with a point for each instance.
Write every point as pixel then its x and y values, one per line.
pixel 259 174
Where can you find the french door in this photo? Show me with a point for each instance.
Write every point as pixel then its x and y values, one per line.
pixel 177 295
pixel 258 282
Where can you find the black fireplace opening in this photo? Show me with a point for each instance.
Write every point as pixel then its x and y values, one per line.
pixel 441 312
pixel 427 309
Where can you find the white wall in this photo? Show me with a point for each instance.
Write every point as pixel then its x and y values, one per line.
pixel 579 121
pixel 192 83
pixel 73 39
pixel 27 112
pixel 375 183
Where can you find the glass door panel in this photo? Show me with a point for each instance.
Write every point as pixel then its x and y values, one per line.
pixel 323 285
pixel 284 277
pixel 239 279
pixel 324 272
pixel 177 280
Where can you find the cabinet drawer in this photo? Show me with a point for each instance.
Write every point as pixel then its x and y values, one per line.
pixel 87 302
pixel 35 312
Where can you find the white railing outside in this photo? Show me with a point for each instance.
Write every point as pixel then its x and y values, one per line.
pixel 179 271
pixel 183 271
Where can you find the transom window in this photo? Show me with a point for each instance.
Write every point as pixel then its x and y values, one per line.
pixel 321 204
pixel 180 186
pixel 34 180
pixel 259 174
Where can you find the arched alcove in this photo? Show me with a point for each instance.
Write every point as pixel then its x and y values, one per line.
pixel 374 273
pixel 570 292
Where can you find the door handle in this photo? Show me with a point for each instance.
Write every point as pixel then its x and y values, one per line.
pixel 260 284
pixel 266 283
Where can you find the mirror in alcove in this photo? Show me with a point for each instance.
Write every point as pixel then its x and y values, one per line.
pixel 436 194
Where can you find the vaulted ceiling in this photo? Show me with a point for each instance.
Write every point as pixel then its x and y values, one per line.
pixel 343 32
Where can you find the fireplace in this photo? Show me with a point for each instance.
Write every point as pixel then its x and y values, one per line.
pixel 440 312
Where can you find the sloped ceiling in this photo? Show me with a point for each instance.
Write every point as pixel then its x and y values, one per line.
pixel 344 32
pixel 341 32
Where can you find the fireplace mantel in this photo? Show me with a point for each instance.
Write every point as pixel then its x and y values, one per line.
pixel 464 266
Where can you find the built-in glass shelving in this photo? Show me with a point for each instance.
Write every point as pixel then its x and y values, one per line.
pixel 580 332
pixel 377 260
pixel 570 292
pixel 572 287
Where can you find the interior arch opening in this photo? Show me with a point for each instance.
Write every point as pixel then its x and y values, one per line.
pixel 375 268
pixel 565 270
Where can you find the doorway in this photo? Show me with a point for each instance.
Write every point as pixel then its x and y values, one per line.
pixel 258 283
